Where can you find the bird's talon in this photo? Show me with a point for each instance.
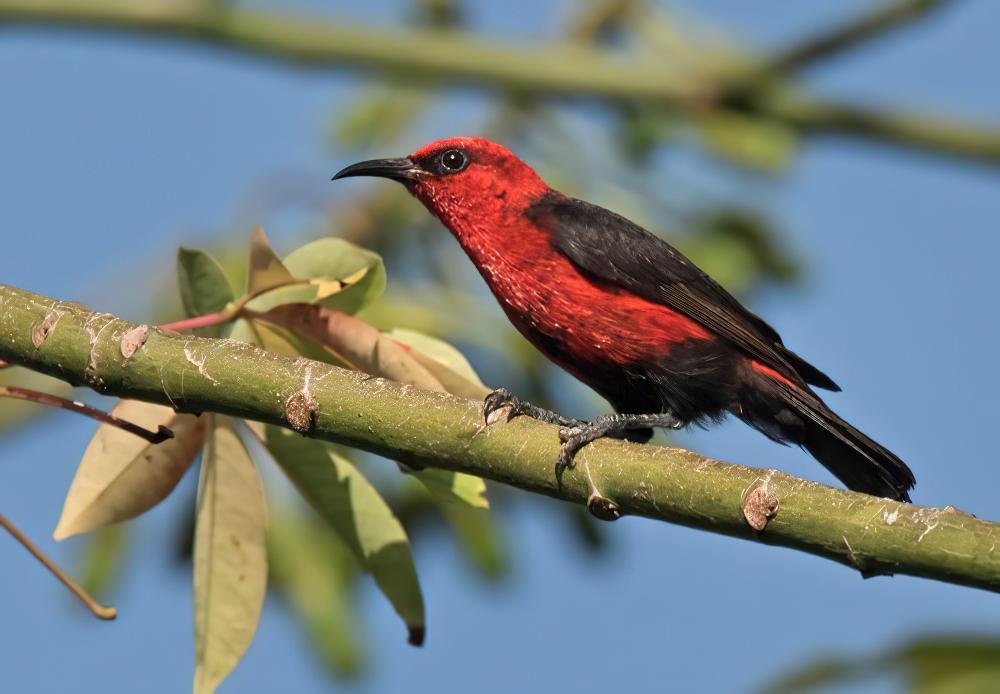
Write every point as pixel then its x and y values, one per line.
pixel 566 433
pixel 565 462
pixel 502 405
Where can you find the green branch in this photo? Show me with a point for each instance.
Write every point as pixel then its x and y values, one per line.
pixel 454 57
pixel 422 428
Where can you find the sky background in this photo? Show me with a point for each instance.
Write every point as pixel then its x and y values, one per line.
pixel 114 151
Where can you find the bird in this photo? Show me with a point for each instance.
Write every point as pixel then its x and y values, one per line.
pixel 627 314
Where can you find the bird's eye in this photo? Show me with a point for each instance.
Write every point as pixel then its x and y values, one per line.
pixel 453 161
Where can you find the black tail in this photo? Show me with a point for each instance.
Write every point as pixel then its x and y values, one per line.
pixel 859 462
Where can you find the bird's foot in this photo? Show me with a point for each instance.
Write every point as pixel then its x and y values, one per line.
pixel 502 404
pixel 576 437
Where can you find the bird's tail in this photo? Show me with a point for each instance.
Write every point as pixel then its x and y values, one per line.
pixel 859 462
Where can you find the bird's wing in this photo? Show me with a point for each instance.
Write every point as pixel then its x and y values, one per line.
pixel 613 248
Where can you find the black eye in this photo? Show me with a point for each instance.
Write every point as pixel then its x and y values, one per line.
pixel 453 161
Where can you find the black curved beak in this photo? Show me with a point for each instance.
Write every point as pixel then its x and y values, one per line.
pixel 401 169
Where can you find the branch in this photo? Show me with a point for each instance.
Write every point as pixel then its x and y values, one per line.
pixel 874 24
pixel 421 428
pixel 455 57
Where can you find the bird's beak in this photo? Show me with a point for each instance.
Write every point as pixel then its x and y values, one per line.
pixel 402 169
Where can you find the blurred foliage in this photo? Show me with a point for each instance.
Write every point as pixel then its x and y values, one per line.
pixel 433 291
pixel 930 665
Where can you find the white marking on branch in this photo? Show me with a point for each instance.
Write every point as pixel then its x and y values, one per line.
pixel 199 364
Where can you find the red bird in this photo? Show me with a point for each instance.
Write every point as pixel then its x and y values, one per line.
pixel 627 314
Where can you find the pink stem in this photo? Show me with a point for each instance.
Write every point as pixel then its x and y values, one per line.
pixel 209 319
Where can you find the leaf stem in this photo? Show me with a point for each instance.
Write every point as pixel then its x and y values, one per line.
pixel 97 609
pixel 209 319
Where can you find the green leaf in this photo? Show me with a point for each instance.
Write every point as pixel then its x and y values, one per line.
pixel 755 142
pixel 315 571
pixel 478 537
pixel 102 558
pixel 122 475
pixel 362 519
pixel 230 557
pixel 203 286
pixel 931 665
pixel 341 276
pixel 454 487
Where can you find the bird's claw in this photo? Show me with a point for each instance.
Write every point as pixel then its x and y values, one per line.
pixel 498 400
pixel 565 433
pixel 563 462
pixel 571 445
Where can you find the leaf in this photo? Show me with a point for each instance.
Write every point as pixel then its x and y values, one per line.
pixel 479 538
pixel 930 665
pixel 122 475
pixel 101 560
pixel 446 364
pixel 203 286
pixel 314 569
pixel 14 411
pixel 362 519
pixel 266 269
pixel 230 557
pixel 756 142
pixel 341 276
pixel 355 342
pixel 452 487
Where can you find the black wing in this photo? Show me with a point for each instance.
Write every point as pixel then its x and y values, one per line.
pixel 613 248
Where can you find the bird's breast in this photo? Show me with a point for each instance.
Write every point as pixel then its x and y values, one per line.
pixel 579 321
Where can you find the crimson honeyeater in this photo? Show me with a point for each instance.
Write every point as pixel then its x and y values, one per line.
pixel 627 314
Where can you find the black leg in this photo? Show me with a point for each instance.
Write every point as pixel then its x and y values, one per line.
pixel 576 434
pixel 501 398
pixel 576 437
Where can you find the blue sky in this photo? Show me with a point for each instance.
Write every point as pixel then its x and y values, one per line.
pixel 115 151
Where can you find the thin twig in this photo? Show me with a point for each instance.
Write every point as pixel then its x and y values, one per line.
pixel 97 609
pixel 158 436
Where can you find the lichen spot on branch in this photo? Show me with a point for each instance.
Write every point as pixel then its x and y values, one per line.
pixel 759 507
pixel 40 331
pixel 301 410
pixel 133 340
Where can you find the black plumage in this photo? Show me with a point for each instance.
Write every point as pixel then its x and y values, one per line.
pixel 703 379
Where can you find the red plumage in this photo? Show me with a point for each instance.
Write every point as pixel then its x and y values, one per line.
pixel 626 313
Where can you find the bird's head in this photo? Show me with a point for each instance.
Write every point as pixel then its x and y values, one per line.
pixel 460 178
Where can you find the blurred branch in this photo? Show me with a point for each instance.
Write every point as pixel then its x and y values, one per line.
pixel 884 18
pixel 553 69
pixel 421 428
